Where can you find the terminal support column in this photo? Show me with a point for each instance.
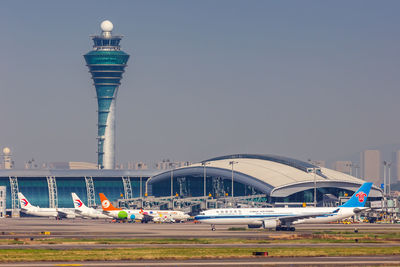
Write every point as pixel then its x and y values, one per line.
pixel 52 185
pixel 14 196
pixel 126 180
pixel 91 200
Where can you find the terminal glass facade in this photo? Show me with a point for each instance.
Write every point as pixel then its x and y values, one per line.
pixel 308 195
pixel 36 190
pixel 193 186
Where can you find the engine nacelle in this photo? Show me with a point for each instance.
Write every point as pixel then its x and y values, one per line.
pixel 254 226
pixel 270 224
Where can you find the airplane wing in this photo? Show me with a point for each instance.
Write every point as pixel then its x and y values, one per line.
pixel 288 220
pixel 66 213
pixel 291 219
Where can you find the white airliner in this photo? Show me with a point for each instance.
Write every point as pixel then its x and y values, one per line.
pixel 283 219
pixel 68 213
pixel 167 215
pixel 28 208
pixel 146 215
pixel 84 211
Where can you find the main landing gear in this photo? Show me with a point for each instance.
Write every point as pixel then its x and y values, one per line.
pixel 285 228
pixel 213 227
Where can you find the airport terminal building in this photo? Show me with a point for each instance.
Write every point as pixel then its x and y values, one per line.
pixel 279 179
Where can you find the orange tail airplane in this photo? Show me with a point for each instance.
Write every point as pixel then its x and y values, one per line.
pixel 118 213
pixel 106 204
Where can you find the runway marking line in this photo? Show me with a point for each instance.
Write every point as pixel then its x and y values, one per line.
pixel 68 264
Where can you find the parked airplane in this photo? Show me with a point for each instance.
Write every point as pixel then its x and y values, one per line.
pixel 283 219
pixel 84 211
pixel 167 215
pixel 28 208
pixel 68 213
pixel 117 213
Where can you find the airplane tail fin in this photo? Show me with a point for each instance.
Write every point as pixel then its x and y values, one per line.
pixel 78 204
pixel 106 204
pixel 359 198
pixel 23 201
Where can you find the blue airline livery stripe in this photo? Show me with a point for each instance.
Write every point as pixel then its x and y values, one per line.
pixel 203 217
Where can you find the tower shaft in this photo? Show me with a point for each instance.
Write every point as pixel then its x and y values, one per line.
pixel 106 64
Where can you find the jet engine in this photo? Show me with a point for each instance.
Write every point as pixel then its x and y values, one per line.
pixel 270 224
pixel 254 226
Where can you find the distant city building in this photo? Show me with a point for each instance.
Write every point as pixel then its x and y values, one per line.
pixel 82 165
pixel 137 166
pixel 397 166
pixel 371 166
pixel 73 165
pixel 58 165
pixel 7 160
pixel 167 164
pixel 319 163
pixel 32 164
pixel 106 63
pixel 343 166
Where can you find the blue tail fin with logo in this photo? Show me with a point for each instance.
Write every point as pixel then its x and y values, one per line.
pixel 359 198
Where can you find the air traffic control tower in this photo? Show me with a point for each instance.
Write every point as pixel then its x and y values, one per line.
pixel 106 63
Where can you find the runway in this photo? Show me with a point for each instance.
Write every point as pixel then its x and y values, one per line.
pixel 265 261
pixel 21 229
pixel 81 228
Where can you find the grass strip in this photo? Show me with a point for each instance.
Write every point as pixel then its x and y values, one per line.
pixel 317 237
pixel 32 255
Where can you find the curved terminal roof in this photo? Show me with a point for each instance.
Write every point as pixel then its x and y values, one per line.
pixel 277 176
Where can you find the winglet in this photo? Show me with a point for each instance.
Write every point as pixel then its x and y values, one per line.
pixel 359 198
pixel 106 204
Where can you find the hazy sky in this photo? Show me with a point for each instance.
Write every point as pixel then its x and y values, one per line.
pixel 305 79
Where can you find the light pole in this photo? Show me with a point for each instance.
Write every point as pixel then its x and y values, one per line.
pixel 232 163
pixel 389 189
pixel 205 176
pixel 315 187
pixel 172 183
pixel 146 186
pixel 384 177
pixel 315 181
pixel 351 169
pixel 140 186
pixel 350 165
pixel 356 169
pixel 172 178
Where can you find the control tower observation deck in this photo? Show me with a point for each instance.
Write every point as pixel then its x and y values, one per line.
pixel 106 63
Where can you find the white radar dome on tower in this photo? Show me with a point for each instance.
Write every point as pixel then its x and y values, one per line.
pixel 6 151
pixel 106 26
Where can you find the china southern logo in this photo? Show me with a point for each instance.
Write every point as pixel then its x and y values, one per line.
pixel 105 203
pixel 361 195
pixel 24 201
pixel 79 203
